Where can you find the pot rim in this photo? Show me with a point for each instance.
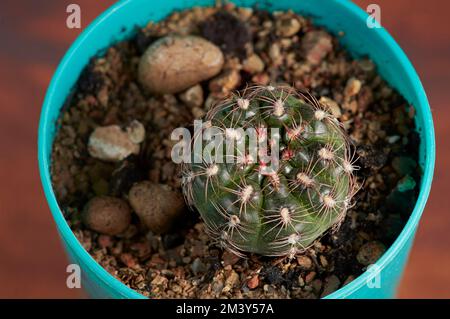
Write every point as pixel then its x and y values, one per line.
pixel 44 144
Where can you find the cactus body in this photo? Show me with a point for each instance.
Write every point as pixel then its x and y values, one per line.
pixel 278 209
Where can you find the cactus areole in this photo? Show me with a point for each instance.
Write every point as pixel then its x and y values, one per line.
pixel 256 201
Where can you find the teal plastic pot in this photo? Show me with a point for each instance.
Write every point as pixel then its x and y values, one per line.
pixel 118 23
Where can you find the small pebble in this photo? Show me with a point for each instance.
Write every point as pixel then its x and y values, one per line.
pixel 407 183
pixel 351 106
pixel 332 106
pixel 301 281
pixel 225 82
pixel 159 281
pixel 403 165
pixel 229 258
pixel 253 64
pixel 332 283
pixel 323 261
pixel 111 143
pixel 287 26
pixel 275 54
pixel 366 65
pixel 103 96
pixel 352 88
pixel 316 45
pixel 370 252
pixel 317 285
pixel 261 79
pixel 107 215
pixel 172 240
pixel 393 139
pixel 253 282
pixel 227 31
pixel 231 281
pixel 104 241
pixel 193 96
pixel 128 260
pixel 273 275
pixel 198 267
pixel 310 276
pixel 304 261
pixel 217 286
pixel 136 132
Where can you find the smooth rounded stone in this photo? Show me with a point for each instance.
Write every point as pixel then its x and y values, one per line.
pixel 107 215
pixel 370 252
pixel 111 143
pixel 157 205
pixel 174 63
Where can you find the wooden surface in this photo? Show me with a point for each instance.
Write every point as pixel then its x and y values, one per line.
pixel 33 38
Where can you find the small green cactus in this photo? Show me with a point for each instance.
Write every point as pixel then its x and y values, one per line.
pixel 273 210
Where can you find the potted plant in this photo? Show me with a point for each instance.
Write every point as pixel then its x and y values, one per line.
pixel 75 152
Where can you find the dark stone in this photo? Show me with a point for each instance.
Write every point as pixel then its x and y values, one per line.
pixel 90 81
pixel 142 41
pixel 273 275
pixel 401 202
pixel 124 177
pixel 413 141
pixel 370 159
pixel 392 226
pixel 246 78
pixel 291 278
pixel 172 240
pixel 227 32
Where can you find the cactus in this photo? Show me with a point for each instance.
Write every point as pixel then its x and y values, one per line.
pixel 250 206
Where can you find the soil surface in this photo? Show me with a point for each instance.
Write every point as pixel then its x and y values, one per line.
pixel 260 48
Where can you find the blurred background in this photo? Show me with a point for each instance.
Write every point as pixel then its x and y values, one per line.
pixel 33 39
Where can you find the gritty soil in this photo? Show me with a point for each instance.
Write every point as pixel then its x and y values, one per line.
pixel 183 263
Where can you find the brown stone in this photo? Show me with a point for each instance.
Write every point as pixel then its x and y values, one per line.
pixel 175 63
pixel 107 215
pixel 156 205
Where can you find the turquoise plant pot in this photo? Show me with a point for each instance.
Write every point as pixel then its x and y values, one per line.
pixel 119 21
